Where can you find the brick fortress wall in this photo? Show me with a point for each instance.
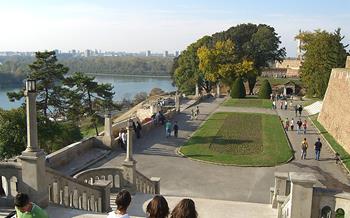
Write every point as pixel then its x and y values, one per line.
pixel 335 113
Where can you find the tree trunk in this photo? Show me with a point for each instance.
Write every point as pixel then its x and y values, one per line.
pixel 92 112
pixel 46 102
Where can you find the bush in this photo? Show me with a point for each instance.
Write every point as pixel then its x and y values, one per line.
pixel 238 89
pixel 156 91
pixel 265 90
pixel 139 97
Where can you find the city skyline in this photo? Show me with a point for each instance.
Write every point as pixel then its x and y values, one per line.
pixel 155 25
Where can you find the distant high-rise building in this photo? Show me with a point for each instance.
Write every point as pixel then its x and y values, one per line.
pixel 87 53
pixel 177 53
pixel 148 53
pixel 166 54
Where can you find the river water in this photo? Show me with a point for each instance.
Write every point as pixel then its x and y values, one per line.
pixel 124 87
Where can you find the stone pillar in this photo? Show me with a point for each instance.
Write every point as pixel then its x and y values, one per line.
pixel 280 201
pixel 129 165
pixel 156 184
pixel 177 102
pixel 347 64
pixel 218 90
pixel 301 194
pixel 280 186
pixel 33 158
pixel 108 138
pixel 197 90
pixel 129 130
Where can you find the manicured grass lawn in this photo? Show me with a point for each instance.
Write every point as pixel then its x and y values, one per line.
pixel 240 139
pixel 335 145
pixel 248 102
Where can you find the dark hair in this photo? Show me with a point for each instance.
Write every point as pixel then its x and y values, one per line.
pixel 157 207
pixel 184 209
pixel 21 200
pixel 123 200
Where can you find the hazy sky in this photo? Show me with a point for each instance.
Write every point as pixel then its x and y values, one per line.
pixel 140 25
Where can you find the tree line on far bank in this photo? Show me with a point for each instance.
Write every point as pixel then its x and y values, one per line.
pixel 14 69
pixel 63 102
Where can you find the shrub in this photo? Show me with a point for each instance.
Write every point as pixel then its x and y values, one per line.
pixel 265 90
pixel 238 89
pixel 156 91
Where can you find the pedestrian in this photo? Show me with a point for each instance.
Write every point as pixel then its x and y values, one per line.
pixel 27 209
pixel 281 104
pixel 296 110
pixel 273 104
pixel 292 124
pixel 304 146
pixel 291 105
pixel 286 124
pixel 304 126
pixel 122 201
pixel 192 114
pixel 157 207
pixel 124 138
pixel 168 128
pixel 300 109
pixel 184 209
pixel 299 124
pixel 318 146
pixel 176 129
pixel 285 105
pixel 138 129
pixel 120 139
pixel 197 111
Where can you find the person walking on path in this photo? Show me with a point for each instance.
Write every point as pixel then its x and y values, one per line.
pixel 197 111
pixel 26 209
pixel 318 146
pixel 281 105
pixel 285 105
pixel 299 124
pixel 273 104
pixel 305 126
pixel 296 110
pixel 168 128
pixel 304 146
pixel 176 129
pixel 300 109
pixel 286 124
pixel 292 124
pixel 192 114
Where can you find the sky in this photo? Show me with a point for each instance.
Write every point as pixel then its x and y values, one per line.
pixel 156 25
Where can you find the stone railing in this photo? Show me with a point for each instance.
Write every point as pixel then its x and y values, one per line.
pixel 113 175
pixel 69 192
pixel 284 206
pixel 146 185
pixel 10 182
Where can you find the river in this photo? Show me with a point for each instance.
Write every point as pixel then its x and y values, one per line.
pixel 124 87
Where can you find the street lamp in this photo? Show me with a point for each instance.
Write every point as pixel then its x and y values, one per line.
pixel 31 85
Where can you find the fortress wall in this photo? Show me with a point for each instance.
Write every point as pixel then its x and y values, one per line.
pixel 335 113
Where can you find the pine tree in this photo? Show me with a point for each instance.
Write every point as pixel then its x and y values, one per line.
pixel 265 90
pixel 238 89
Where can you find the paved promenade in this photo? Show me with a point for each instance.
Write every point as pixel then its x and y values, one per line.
pixel 156 156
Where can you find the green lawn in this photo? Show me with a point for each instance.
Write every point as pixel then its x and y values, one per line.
pixel 278 81
pixel 335 145
pixel 248 102
pixel 88 130
pixel 240 139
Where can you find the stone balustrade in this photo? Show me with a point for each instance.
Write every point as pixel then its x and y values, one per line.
pixel 69 192
pixel 10 182
pixel 146 185
pixel 284 206
pixel 113 175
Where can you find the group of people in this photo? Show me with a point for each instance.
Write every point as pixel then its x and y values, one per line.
pixel 194 113
pixel 305 145
pixel 169 128
pixel 300 125
pixel 156 208
pixel 283 104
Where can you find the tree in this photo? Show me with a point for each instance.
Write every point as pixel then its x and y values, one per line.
pixel 323 51
pixel 89 95
pixel 265 90
pixel 139 97
pixel 256 43
pixel 238 89
pixel 49 76
pixel 221 64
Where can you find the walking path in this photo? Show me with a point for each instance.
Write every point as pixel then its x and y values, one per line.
pixel 156 156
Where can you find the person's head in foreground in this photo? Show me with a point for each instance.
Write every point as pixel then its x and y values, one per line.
pixel 26 208
pixel 157 207
pixel 122 201
pixel 184 209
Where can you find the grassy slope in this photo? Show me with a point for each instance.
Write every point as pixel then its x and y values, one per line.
pixel 335 145
pixel 275 145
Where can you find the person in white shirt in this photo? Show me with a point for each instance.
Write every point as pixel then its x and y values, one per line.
pixel 122 201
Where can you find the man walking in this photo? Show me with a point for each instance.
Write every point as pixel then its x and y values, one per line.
pixel 304 146
pixel 318 146
pixel 299 124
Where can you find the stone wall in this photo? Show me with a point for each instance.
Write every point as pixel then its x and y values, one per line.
pixel 335 113
pixel 347 65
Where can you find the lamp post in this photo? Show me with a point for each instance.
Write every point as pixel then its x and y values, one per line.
pixel 32 129
pixel 129 129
